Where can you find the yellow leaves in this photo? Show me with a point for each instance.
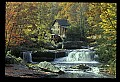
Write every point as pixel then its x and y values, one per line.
pixel 33 39
pixel 114 22
pixel 102 3
pixel 104 20
pixel 95 25
pixel 114 45
pixel 62 4
pixel 107 31
pixel 105 25
pixel 108 17
pixel 102 16
pixel 90 18
pixel 114 32
pixel 109 38
pixel 109 11
pixel 27 31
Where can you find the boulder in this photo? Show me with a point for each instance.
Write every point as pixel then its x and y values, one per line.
pixel 47 66
pixel 9 60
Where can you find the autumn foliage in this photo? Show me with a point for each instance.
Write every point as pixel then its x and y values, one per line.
pixel 30 22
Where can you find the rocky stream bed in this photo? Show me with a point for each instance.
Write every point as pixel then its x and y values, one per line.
pixel 21 71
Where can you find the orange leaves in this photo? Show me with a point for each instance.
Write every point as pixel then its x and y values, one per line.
pixel 10 15
pixel 12 37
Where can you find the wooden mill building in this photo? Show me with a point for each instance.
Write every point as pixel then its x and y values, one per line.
pixel 71 40
pixel 60 27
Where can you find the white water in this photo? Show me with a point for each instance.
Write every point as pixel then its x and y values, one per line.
pixel 77 57
pixel 27 56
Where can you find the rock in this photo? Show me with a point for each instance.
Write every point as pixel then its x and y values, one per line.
pixel 95 69
pixel 47 66
pixel 80 66
pixel 9 59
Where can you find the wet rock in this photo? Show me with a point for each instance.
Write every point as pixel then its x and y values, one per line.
pixel 80 66
pixel 9 60
pixel 20 71
pixel 47 66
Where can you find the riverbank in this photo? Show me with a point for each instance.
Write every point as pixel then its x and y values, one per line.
pixel 22 71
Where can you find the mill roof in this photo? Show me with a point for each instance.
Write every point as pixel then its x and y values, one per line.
pixel 62 22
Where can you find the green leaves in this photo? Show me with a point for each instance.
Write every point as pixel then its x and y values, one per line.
pixel 105 25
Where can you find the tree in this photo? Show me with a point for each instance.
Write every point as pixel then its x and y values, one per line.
pixel 12 36
pixel 102 18
pixel 31 21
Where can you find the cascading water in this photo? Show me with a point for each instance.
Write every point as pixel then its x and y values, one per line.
pixel 77 56
pixel 27 56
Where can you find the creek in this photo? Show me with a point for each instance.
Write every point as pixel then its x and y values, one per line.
pixel 77 57
pixel 77 63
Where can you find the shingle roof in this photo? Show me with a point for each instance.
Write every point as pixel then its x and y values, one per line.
pixel 61 22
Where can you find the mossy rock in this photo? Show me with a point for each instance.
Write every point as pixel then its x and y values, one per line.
pixel 47 66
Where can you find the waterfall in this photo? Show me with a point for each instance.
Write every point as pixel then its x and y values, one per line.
pixel 27 56
pixel 80 63
pixel 78 56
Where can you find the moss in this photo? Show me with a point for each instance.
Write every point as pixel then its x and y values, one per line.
pixel 11 59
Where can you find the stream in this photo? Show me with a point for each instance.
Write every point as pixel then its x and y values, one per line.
pixel 77 63
pixel 78 57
